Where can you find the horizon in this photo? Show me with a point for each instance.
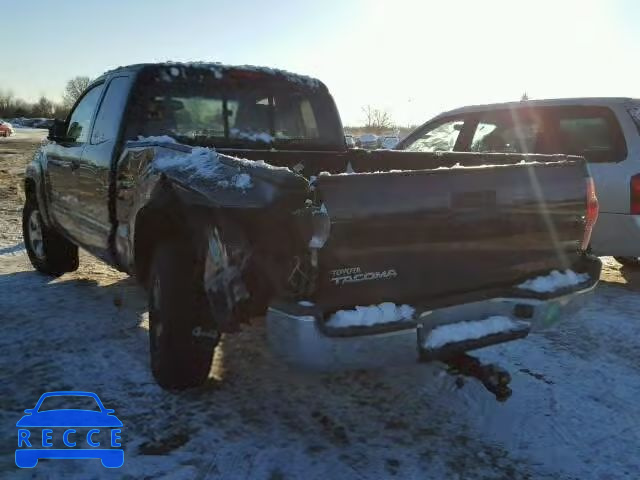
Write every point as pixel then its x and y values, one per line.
pixel 414 68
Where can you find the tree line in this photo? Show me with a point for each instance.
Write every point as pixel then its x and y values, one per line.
pixel 14 107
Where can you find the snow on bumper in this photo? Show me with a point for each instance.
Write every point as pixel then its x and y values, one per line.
pixel 295 333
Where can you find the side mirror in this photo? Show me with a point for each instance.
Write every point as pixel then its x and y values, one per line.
pixel 57 131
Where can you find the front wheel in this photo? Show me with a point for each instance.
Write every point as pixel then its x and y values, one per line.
pixel 182 333
pixel 50 253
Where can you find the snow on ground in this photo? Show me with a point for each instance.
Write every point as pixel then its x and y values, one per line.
pixel 573 415
pixel 554 281
pixel 461 331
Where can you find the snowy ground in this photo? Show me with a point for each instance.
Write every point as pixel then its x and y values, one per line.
pixel 574 412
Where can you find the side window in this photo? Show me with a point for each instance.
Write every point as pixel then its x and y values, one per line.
pixel 592 132
pixel 80 119
pixel 442 138
pixel 110 112
pixel 309 119
pixel 506 131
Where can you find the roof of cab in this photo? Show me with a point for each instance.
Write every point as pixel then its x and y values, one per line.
pixel 219 69
pixel 551 102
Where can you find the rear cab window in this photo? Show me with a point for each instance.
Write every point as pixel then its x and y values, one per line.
pixel 234 109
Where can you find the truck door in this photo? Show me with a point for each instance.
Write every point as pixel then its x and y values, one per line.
pixel 63 160
pixel 93 174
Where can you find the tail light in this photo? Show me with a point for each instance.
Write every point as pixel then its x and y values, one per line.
pixel 592 213
pixel 635 195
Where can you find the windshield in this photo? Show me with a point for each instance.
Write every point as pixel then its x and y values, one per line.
pixel 240 110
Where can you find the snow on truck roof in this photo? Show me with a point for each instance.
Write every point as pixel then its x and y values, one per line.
pixel 550 102
pixel 219 69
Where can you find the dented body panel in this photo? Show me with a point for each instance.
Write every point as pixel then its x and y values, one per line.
pixel 142 181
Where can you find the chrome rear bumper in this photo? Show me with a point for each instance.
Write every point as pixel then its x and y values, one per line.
pixel 295 335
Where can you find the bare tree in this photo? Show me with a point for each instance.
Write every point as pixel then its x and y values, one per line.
pixel 43 108
pixel 21 108
pixel 377 119
pixel 74 89
pixel 524 97
pixel 60 111
pixel 6 101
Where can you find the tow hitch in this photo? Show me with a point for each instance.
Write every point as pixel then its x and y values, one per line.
pixel 494 378
pixel 453 354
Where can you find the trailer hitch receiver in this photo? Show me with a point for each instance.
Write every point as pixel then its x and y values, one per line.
pixel 494 378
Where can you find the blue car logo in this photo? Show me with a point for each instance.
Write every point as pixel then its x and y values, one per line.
pixel 69 433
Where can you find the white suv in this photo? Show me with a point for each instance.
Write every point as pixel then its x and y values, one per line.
pixel 606 131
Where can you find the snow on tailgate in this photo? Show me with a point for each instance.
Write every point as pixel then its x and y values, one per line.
pixel 554 281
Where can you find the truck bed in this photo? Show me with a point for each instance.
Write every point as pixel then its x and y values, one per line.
pixel 427 229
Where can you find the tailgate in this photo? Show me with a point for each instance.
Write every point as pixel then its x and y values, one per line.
pixel 429 236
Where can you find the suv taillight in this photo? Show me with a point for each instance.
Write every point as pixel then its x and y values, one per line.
pixel 592 213
pixel 635 195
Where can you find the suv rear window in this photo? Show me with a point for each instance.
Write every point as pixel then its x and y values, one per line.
pixel 592 132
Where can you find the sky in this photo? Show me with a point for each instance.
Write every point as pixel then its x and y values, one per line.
pixel 414 58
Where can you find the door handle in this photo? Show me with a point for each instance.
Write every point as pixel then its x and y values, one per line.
pixel 75 164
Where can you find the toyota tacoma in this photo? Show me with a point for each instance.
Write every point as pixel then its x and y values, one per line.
pixel 229 193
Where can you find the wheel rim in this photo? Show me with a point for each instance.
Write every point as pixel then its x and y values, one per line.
pixel 35 235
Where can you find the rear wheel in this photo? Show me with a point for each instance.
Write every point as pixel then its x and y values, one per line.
pixel 629 261
pixel 50 253
pixel 182 333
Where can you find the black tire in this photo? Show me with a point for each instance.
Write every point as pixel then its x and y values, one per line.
pixel 633 262
pixel 51 254
pixel 177 307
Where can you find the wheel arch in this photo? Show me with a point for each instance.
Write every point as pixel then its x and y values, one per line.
pixel 164 218
pixel 33 187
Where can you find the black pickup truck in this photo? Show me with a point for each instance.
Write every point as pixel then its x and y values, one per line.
pixel 229 192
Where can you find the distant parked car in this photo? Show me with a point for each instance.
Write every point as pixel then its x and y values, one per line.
pixel 43 123
pixel 29 122
pixel 351 143
pixel 606 131
pixel 17 122
pixel 368 141
pixel 6 129
pixel 389 142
